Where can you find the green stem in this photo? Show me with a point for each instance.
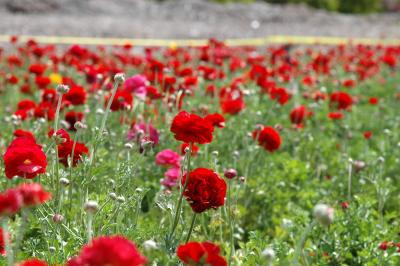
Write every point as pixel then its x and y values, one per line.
pixel 179 205
pixel 191 227
pixel 21 230
pixel 89 226
pixel 230 221
pixel 301 243
pixel 7 243
pixel 349 183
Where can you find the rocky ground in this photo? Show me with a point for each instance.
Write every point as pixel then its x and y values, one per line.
pixel 184 19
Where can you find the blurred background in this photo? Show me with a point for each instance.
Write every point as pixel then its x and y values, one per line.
pixel 201 18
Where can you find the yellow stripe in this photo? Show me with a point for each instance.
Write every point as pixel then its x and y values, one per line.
pixel 276 39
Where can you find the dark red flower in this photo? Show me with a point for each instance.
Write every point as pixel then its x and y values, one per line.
pixel 298 114
pixel 367 134
pixel 2 244
pixel 121 101
pixel 61 133
pixel 373 100
pixel 45 110
pixel 280 94
pixel 200 254
pixel 23 133
pixel 24 158
pixel 340 100
pixel 335 115
pixel 65 151
pixel 26 105
pixel 75 96
pixel 268 138
pixel 33 194
pixel 384 245
pixel 109 251
pixel 205 190
pixel 10 202
pixel 37 69
pixel 32 262
pixel 216 120
pixel 192 128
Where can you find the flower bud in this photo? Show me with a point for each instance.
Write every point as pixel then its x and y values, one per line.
pixel 268 254
pixel 58 218
pixel 80 126
pixel 64 181
pixel 242 179
pixel 230 173
pixel 61 88
pixel 91 206
pixel 323 214
pixel 121 199
pixel 119 77
pixel 112 195
pixel 150 245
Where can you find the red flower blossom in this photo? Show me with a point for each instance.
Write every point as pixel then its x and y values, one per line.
pixel 65 151
pixel 373 100
pixel 335 115
pixel 122 100
pixel 216 120
pixel 33 194
pixel 340 100
pixel 32 262
pixel 367 134
pixel 268 138
pixel 10 202
pixel 2 244
pixel 75 96
pixel 298 114
pixel 192 128
pixel 37 69
pixel 23 133
pixel 205 190
pixel 280 94
pixel 109 251
pixel 24 158
pixel 26 105
pixel 232 106
pixel 200 254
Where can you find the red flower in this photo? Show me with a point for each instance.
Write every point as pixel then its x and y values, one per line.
pixel 192 128
pixel 24 158
pixel 195 149
pixel 46 110
pixel 205 190
pixel 65 151
pixel 335 115
pixel 340 100
pixel 33 194
pixel 42 82
pixel 61 134
pixel 384 245
pixel 32 262
pixel 10 202
pixel 2 244
pixel 23 133
pixel 373 100
pixel 298 114
pixel 122 100
pixel 72 117
pixel 280 94
pixel 37 69
pixel 367 134
pixel 216 120
pixel 200 254
pixel 26 105
pixel 109 251
pixel 268 138
pixel 76 96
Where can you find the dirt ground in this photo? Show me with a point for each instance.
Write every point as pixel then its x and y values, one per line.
pixel 184 19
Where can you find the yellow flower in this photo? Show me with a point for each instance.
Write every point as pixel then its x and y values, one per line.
pixel 55 78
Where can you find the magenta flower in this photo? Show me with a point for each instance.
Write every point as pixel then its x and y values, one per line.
pixel 137 85
pixel 146 129
pixel 171 177
pixel 168 158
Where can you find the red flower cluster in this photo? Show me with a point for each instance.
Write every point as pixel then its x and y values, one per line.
pixel 66 148
pixel 200 254
pixel 109 251
pixel 25 195
pixel 205 190
pixel 192 128
pixel 268 138
pixel 32 262
pixel 24 158
pixel 340 100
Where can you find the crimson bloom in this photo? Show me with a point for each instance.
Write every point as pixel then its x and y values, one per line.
pixel 216 120
pixel 2 244
pixel 10 202
pixel 122 100
pixel 24 158
pixel 75 96
pixel 33 194
pixel 205 190
pixel 65 151
pixel 298 114
pixel 72 117
pixel 268 138
pixel 195 149
pixel 109 251
pixel 200 254
pixel 340 100
pixel 32 262
pixel 192 128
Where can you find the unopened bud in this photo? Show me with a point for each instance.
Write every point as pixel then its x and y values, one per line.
pixel 61 88
pixel 58 218
pixel 64 181
pixel 119 77
pixel 80 126
pixel 91 206
pixel 150 245
pixel 268 254
pixel 230 173
pixel 323 214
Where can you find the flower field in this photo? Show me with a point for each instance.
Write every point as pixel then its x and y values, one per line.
pixel 212 155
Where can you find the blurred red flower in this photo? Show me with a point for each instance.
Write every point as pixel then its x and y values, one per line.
pixel 200 254
pixel 268 138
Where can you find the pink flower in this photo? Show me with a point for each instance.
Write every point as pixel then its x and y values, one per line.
pixel 137 85
pixel 168 158
pixel 171 177
pixel 147 129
